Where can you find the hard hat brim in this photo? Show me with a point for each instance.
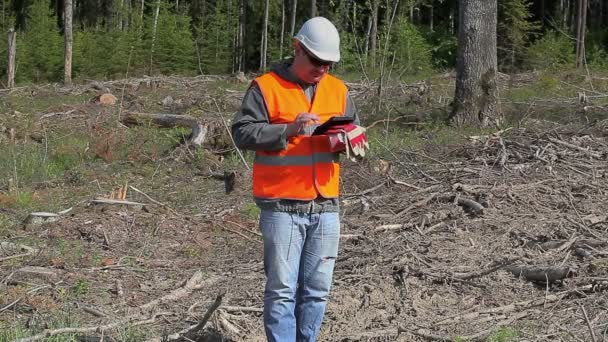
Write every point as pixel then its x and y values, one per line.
pixel 325 57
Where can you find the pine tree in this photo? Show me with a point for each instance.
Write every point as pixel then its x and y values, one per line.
pixel 515 26
pixel 40 51
pixel 174 45
pixel 214 42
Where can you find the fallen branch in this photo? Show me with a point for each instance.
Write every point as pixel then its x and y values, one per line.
pixel 589 325
pixel 128 320
pixel 113 201
pixel 239 234
pixel 153 200
pixel 191 330
pixel 4 246
pixel 199 130
pixel 195 282
pixel 523 305
pixel 241 309
pixel 492 268
pixel 575 147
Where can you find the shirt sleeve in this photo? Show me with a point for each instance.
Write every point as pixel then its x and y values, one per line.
pixel 351 109
pixel 251 128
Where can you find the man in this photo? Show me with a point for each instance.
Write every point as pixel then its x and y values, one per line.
pixel 296 179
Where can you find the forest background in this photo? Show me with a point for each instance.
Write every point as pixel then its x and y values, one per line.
pixel 113 38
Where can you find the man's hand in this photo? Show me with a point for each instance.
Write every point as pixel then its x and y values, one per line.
pixel 301 121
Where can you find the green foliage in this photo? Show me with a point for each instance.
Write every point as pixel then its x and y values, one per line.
pixel 13 333
pixel 27 164
pixel 596 49
pixel 40 49
pixel 173 47
pixel 504 334
pixel 80 288
pixel 514 29
pixel 251 210
pixel 552 51
pixel 412 51
pixel 214 39
pixel 349 54
pixel 101 54
pixel 443 49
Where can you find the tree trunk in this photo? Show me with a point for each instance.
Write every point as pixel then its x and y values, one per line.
pixel 543 8
pixel 476 96
pixel 563 8
pixel 109 15
pixel 154 27
pixel 264 46
pixel 374 34
pixel 294 9
pixel 282 29
pixel 12 49
pixel 367 39
pixel 68 40
pixel 127 21
pixel 313 8
pixel 141 15
pixel 240 36
pixel 431 17
pixel 581 31
pixel 452 19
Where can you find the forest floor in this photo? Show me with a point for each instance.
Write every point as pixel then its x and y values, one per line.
pixel 447 234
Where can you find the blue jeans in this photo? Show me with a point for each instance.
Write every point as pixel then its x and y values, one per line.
pixel 300 252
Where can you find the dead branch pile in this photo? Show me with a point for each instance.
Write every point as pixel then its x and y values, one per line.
pixel 517 214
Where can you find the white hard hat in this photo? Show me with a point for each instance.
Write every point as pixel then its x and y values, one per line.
pixel 320 37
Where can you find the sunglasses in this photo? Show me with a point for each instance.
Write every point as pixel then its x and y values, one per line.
pixel 317 63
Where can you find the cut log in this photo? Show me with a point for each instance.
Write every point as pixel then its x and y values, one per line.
pixel 199 129
pixel 541 274
pixel 106 204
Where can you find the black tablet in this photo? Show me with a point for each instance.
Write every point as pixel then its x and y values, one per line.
pixel 333 121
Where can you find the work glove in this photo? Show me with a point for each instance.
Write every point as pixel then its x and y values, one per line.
pixel 349 138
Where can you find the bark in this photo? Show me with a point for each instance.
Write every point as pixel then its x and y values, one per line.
pixel 313 8
pixel 476 96
pixel 374 34
pixel 431 17
pixel 141 15
pixel 109 15
pixel 542 11
pixel 199 129
pixel 564 7
pixel 367 39
pixel 541 274
pixel 264 46
pixel 452 19
pixel 239 58
pixel 68 40
pixel 282 29
pixel 125 26
pixel 294 9
pixel 156 12
pixel 581 31
pixel 12 49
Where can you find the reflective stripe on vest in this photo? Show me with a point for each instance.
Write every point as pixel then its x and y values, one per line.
pixel 307 168
pixel 318 157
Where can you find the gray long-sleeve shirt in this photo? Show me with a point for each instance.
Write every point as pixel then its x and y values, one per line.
pixel 252 130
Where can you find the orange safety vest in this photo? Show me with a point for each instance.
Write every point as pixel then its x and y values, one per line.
pixel 307 168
